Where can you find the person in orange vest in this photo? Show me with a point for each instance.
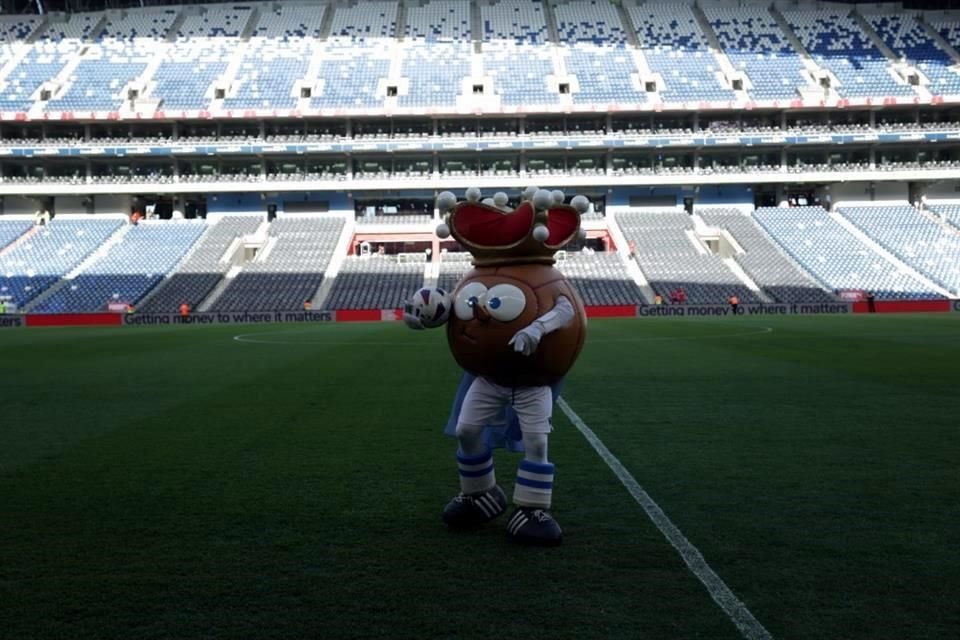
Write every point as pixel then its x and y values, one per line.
pixel 184 309
pixel 307 305
pixel 658 299
pixel 734 303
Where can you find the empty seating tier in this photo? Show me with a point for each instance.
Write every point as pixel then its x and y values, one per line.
pixel 836 257
pixel 919 241
pixel 600 278
pixel 130 268
pixel 375 282
pixel 765 262
pixel 200 273
pixel 38 262
pixel 292 270
pixel 670 260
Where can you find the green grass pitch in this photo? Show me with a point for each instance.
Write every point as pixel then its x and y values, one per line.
pixel 178 483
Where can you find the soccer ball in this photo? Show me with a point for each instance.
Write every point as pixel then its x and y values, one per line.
pixel 431 306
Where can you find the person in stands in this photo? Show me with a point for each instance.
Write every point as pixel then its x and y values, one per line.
pixel 682 295
pixel 3 307
pixel 308 305
pixel 184 309
pixel 734 303
pixel 658 299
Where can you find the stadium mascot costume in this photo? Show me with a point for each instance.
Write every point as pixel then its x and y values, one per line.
pixel 516 327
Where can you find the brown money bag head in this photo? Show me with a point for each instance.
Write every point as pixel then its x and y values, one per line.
pixel 513 283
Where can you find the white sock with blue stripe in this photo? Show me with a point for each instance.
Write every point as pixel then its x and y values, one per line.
pixel 476 472
pixel 534 486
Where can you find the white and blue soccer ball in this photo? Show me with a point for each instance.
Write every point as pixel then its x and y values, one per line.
pixel 431 305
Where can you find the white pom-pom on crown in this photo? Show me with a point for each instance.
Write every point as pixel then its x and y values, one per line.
pixel 500 199
pixel 558 196
pixel 443 231
pixel 473 194
pixel 580 203
pixel 446 201
pixel 487 201
pixel 527 194
pixel 542 199
pixel 541 233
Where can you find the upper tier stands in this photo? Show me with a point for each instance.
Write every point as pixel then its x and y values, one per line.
pixel 277 55
pixel 763 261
pixel 436 53
pixel 130 268
pixel 261 54
pixel 600 278
pixel 597 53
pixel 676 48
pixel 754 44
pixel 909 40
pixel 836 42
pixel 356 56
pixel 514 32
pixel 669 259
pixel 375 282
pixel 204 42
pixel 835 256
pixel 197 276
pixel 916 239
pixel 38 262
pixel 292 270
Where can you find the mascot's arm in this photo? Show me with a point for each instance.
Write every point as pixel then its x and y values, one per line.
pixel 527 339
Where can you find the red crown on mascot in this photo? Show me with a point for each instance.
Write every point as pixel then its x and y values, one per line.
pixel 494 234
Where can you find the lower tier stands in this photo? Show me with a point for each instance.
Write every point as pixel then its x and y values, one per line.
pixel 375 282
pixel 670 260
pixel 199 274
pixel 600 278
pixel 129 269
pixel 453 266
pixel 10 230
pixel 949 212
pixel 776 274
pixel 38 262
pixel 919 241
pixel 835 256
pixel 292 270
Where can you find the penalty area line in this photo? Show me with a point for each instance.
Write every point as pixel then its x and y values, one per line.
pixel 738 613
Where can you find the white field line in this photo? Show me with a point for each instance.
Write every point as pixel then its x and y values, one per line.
pixel 745 622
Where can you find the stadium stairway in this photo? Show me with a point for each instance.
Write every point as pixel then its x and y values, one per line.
pixel 939 39
pixel 23 238
pixel 809 64
pixel 101 251
pixel 218 290
pixel 336 261
pixel 730 72
pixel 623 249
pixel 886 255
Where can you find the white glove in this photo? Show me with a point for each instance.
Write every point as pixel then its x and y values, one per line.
pixel 411 320
pixel 527 339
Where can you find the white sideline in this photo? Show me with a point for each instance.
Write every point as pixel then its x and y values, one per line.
pixel 748 625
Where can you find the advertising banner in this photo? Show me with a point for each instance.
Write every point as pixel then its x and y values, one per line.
pixel 220 318
pixel 726 310
pixel 8 321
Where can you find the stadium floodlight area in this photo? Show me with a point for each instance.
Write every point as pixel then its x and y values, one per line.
pixel 203 270
pixel 40 261
pixel 755 45
pixel 600 278
pixel 291 272
pixel 766 264
pixel 835 256
pixel 130 268
pixel 921 242
pixel 838 44
pixel 670 260
pixel 375 282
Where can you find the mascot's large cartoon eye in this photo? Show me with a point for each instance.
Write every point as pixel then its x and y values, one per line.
pixel 472 294
pixel 505 302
